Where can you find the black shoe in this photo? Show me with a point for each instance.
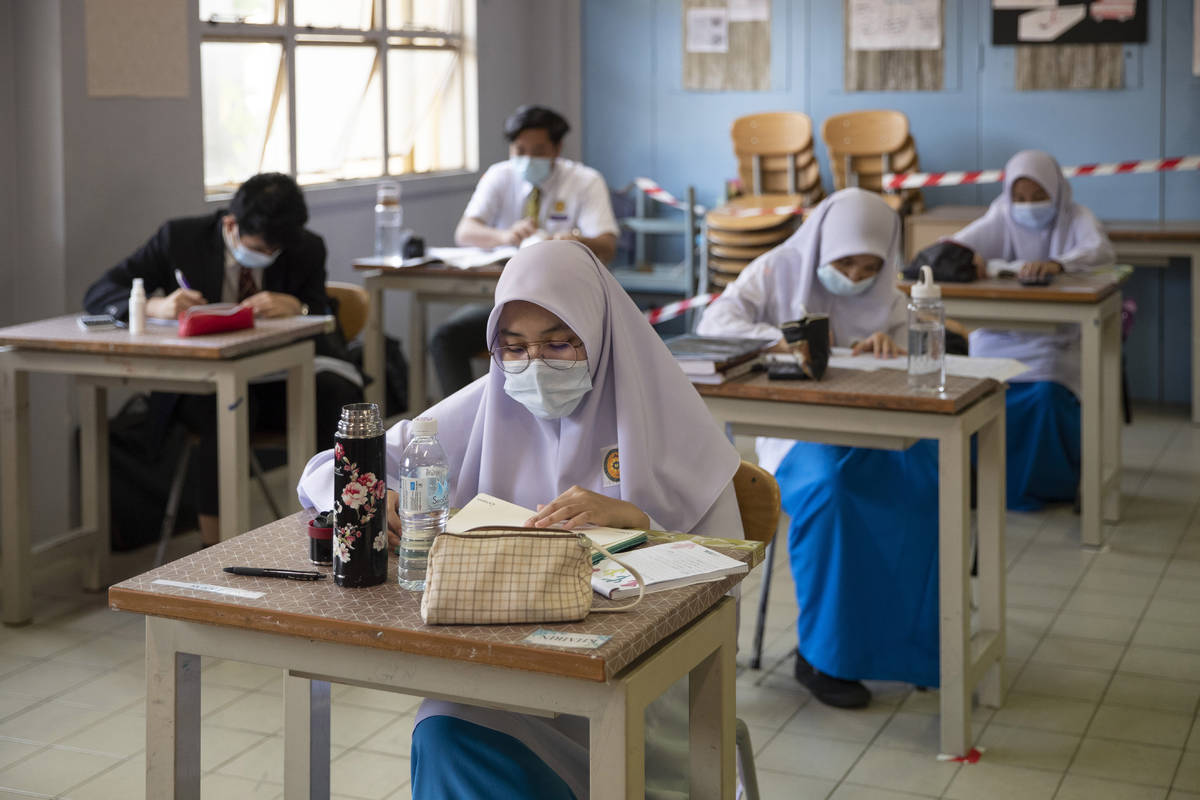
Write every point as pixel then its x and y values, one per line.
pixel 830 690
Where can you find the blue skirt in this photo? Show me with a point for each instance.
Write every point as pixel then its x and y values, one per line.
pixel 453 758
pixel 1042 439
pixel 863 544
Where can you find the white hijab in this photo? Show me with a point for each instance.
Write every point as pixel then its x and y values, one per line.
pixel 1075 237
pixel 674 461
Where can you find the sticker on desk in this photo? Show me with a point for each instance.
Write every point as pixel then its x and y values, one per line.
pixel 209 587
pixel 586 641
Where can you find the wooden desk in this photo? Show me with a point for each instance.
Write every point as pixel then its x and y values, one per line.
pixel 158 359
pixel 877 409
pixel 1094 303
pixel 374 637
pixel 430 283
pixel 1149 244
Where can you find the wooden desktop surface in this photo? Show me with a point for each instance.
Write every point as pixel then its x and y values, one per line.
pixel 64 334
pixel 885 389
pixel 1065 288
pixel 1117 229
pixel 388 617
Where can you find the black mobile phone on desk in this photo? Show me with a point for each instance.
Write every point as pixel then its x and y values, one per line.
pixel 785 371
pixel 1031 280
pixel 98 322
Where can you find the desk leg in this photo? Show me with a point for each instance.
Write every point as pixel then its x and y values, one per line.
pixel 301 420
pixel 418 395
pixel 617 747
pixel 712 725
pixel 233 454
pixel 93 479
pixel 1110 469
pixel 172 715
pixel 954 528
pixel 991 516
pixel 305 739
pixel 1091 434
pixel 374 364
pixel 16 558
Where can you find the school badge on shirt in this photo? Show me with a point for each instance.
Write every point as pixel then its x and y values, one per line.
pixel 559 211
pixel 610 466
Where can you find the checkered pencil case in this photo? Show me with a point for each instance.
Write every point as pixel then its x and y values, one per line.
pixel 509 576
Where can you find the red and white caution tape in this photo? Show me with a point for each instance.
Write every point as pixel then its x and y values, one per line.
pixel 660 194
pixel 921 180
pixel 673 310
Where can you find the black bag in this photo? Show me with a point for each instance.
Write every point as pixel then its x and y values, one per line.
pixel 950 261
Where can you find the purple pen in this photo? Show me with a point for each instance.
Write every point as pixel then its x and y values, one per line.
pixel 183 284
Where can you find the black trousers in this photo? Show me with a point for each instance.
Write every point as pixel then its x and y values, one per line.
pixel 456 341
pixel 268 412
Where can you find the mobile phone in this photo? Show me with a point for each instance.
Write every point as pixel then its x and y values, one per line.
pixel 784 371
pixel 95 322
pixel 1044 280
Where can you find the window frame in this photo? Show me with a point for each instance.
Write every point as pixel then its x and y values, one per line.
pixel 289 36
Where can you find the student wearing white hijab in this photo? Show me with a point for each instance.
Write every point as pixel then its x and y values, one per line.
pixel 594 376
pixel 865 575
pixel 1036 228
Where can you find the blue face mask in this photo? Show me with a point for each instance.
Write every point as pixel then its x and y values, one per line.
pixel 534 169
pixel 836 282
pixel 250 259
pixel 549 393
pixel 1035 216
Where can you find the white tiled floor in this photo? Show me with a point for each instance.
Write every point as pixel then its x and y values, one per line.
pixel 1103 660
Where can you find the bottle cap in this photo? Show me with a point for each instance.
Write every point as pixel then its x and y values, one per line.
pixel 138 283
pixel 388 194
pixel 424 426
pixel 925 288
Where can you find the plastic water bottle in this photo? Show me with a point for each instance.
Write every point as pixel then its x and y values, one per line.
pixel 390 234
pixel 424 500
pixel 926 335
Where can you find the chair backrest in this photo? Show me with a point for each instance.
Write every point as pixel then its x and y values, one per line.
pixel 353 302
pixel 758 501
pixel 772 133
pixel 861 133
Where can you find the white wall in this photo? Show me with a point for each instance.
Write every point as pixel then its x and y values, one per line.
pixel 92 178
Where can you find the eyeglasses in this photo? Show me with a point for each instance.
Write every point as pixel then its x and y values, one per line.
pixel 515 358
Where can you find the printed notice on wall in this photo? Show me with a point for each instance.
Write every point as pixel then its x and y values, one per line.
pixel 707 30
pixel 895 24
pixel 136 48
pixel 749 10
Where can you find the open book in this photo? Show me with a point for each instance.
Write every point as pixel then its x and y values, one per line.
pixel 662 567
pixel 485 510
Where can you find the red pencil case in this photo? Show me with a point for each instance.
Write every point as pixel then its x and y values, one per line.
pixel 215 318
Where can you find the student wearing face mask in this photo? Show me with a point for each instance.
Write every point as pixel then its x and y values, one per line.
pixel 259 254
pixel 1035 229
pixel 535 195
pixel 576 371
pixel 864 523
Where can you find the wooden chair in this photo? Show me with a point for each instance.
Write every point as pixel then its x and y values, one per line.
pixel 352 305
pixel 863 145
pixel 759 503
pixel 775 155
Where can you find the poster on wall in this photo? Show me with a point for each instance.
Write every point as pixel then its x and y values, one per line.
pixel 707 30
pixel 895 24
pixel 1068 21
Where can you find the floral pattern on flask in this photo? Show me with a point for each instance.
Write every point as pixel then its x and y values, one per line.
pixel 362 493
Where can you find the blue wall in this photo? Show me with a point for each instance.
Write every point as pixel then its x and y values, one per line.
pixel 638 120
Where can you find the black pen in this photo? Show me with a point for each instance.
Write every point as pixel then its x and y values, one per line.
pixel 268 572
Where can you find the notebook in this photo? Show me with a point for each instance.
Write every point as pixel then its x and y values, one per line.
pixel 485 510
pixel 664 566
pixel 708 355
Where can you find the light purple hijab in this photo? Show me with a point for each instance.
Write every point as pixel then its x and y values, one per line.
pixel 1075 238
pixel 847 223
pixel 674 460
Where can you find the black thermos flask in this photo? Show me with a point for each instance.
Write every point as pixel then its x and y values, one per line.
pixel 360 546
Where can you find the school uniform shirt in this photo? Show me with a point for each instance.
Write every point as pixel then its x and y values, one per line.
pixel 1075 239
pixel 575 196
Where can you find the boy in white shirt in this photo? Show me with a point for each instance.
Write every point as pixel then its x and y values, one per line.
pixel 536 194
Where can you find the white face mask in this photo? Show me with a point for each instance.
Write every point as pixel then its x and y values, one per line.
pixel 534 169
pixel 250 259
pixel 1033 215
pixel 549 393
pixel 836 282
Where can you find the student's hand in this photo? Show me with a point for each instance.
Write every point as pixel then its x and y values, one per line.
pixel 980 266
pixel 170 306
pixel 273 304
pixel 880 344
pixel 1039 269
pixel 576 508
pixel 393 518
pixel 521 230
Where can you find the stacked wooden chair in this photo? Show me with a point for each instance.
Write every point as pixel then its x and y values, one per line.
pixel 778 167
pixel 864 145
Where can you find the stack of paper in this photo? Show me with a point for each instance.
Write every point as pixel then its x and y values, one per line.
pixel 1000 369
pixel 470 257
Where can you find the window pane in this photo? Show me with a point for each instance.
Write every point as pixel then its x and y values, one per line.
pixel 238 89
pixel 339 122
pixel 425 107
pixel 355 14
pixel 259 12
pixel 442 15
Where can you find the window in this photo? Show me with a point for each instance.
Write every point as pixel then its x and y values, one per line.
pixel 331 90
